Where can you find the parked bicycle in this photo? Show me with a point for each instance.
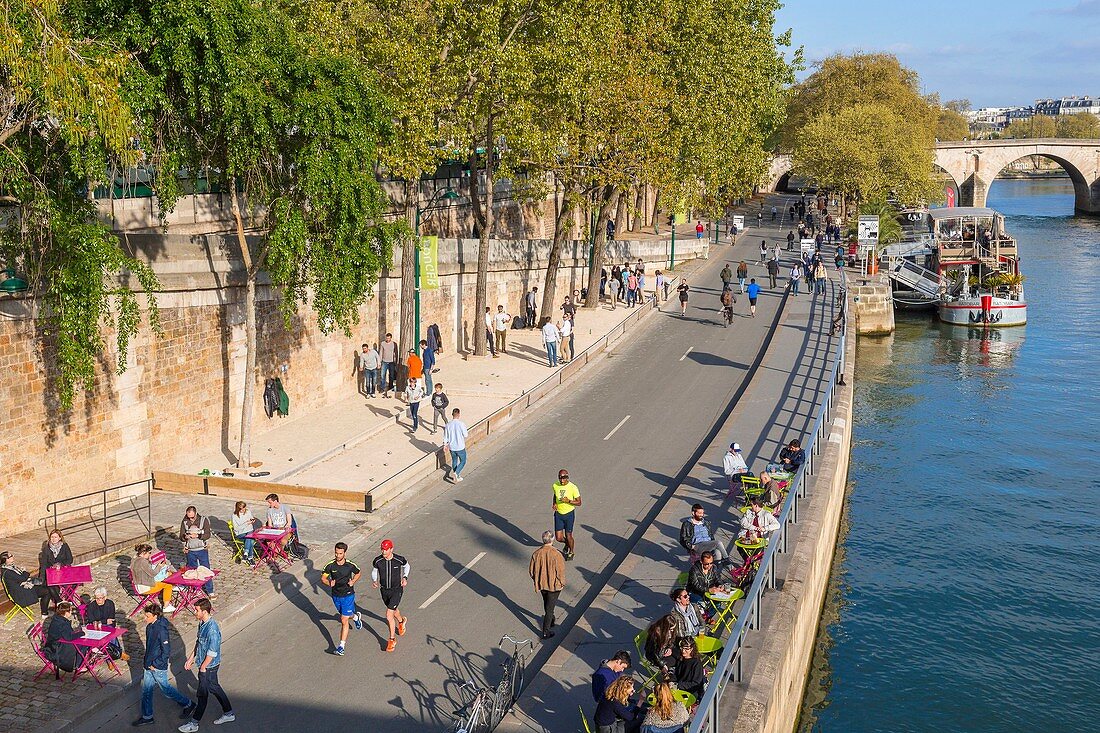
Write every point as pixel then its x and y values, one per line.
pixel 476 715
pixel 511 683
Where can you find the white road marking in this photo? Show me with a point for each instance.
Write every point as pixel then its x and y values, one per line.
pixel 451 582
pixel 686 353
pixel 616 428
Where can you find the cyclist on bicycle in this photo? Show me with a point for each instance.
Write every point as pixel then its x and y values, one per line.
pixel 728 299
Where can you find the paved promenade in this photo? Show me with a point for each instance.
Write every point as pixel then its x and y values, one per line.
pixel 662 387
pixel 778 405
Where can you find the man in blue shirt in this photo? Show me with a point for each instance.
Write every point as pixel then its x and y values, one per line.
pixel 609 671
pixel 429 364
pixel 155 667
pixel 754 292
pixel 208 654
pixel 454 441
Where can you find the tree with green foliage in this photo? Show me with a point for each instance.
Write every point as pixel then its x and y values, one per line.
pixel 63 123
pixel 1080 126
pixel 860 126
pixel 232 90
pixel 952 125
pixel 1035 126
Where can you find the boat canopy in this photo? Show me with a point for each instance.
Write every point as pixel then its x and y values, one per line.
pixel 959 212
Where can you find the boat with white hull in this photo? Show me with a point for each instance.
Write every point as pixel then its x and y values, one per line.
pixel 966 266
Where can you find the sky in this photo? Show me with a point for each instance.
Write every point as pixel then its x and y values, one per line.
pixel 994 53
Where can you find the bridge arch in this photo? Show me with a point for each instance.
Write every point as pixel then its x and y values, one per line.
pixel 975 164
pixel 1084 191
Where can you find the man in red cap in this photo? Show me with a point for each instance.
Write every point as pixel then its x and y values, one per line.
pixel 390 572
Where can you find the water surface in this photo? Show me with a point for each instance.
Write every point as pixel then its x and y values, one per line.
pixel 965 592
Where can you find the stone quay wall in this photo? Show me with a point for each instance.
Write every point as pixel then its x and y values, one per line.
pixel 777 682
pixel 181 392
pixel 873 307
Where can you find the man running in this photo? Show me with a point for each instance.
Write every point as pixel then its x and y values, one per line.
pixel 682 289
pixel 391 573
pixel 754 293
pixel 340 576
pixel 564 503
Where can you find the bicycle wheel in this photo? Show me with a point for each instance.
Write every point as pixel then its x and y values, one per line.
pixel 517 679
pixel 490 714
pixel 502 699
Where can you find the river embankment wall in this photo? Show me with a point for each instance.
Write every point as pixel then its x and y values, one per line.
pixel 182 390
pixel 777 681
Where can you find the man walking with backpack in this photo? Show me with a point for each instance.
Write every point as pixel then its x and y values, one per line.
pixel 340 576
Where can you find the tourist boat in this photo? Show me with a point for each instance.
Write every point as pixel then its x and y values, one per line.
pixel 966 265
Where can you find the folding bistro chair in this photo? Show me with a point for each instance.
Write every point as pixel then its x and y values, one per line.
pixel 584 719
pixel 36 634
pixel 751 487
pixel 238 544
pixel 143 599
pixel 15 607
pixel 684 698
pixel 649 669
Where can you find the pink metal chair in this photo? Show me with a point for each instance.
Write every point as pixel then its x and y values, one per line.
pixel 36 634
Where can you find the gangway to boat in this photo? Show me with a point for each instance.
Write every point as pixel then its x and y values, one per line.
pixel 915 277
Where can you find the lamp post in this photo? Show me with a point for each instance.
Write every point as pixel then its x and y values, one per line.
pixel 12 284
pixel 447 194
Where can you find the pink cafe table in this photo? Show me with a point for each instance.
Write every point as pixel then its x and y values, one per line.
pixel 68 579
pixel 272 550
pixel 97 639
pixel 188 591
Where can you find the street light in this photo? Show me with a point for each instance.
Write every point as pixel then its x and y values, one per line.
pixel 444 194
pixel 12 284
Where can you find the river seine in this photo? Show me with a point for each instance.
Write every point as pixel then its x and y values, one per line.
pixel 965 593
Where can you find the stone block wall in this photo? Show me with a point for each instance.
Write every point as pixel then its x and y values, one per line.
pixel 181 391
pixel 873 307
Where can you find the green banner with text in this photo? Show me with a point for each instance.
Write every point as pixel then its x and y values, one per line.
pixel 429 263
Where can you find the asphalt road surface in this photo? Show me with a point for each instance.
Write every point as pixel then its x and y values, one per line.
pixel 625 431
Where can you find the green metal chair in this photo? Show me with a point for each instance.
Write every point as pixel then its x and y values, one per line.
pixel 684 698
pixel 649 669
pixel 238 544
pixel 751 487
pixel 584 719
pixel 15 607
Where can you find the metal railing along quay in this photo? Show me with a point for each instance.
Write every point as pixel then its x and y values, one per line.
pixel 97 510
pixel 730 665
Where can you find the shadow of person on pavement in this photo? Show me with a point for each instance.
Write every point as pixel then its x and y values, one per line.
pixel 506 526
pixel 291 589
pixel 483 587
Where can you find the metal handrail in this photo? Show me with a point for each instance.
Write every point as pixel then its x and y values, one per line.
pixel 107 516
pixel 729 665
pixel 482 425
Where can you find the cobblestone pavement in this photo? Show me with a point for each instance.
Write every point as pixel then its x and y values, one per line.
pixel 47 704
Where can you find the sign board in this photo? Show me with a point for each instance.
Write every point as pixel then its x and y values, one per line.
pixel 868 229
pixel 807 246
pixel 429 263
pixel 739 222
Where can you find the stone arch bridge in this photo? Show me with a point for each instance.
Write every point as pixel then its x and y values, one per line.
pixel 973 165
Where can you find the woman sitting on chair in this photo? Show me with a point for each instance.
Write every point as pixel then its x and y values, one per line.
pixel 667 716
pixel 65 656
pixel 243 524
pixel 149 578
pixel 100 614
pixel 22 589
pixel 690 674
pixel 660 644
pixel 617 713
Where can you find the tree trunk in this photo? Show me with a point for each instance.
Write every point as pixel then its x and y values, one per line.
pixel 244 453
pixel 483 215
pixel 563 227
pixel 609 201
pixel 407 336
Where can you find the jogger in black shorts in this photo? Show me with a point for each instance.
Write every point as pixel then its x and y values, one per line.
pixel 390 572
